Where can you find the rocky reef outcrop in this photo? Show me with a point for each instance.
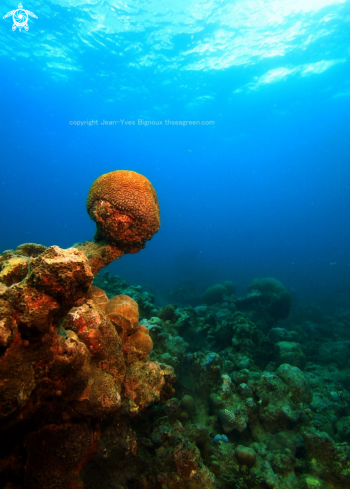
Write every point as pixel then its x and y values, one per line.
pixel 70 357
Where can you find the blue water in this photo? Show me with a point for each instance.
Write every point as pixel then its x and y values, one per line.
pixel 261 190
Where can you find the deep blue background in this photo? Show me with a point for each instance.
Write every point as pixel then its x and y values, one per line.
pixel 263 192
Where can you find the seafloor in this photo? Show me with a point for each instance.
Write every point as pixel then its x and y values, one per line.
pixel 261 394
pixel 102 389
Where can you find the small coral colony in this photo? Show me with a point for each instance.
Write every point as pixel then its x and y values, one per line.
pixel 101 389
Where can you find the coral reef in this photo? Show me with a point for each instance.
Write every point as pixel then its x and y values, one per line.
pixel 214 294
pixel 219 395
pixel 61 359
pixel 266 302
pixel 258 411
pixel 64 367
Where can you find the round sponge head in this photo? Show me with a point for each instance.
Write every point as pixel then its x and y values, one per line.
pixel 125 207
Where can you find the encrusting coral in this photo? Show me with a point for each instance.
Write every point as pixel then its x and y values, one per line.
pixel 63 365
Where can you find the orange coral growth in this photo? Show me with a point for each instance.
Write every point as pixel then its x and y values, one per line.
pixel 99 255
pixel 63 364
pixel 61 273
pixel 124 313
pixel 99 297
pixel 138 345
pixel 102 393
pixel 125 207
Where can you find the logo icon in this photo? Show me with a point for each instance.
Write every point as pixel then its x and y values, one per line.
pixel 20 18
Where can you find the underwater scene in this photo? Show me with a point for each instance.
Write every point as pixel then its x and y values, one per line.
pixel 175 244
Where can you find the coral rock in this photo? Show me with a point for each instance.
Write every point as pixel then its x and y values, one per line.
pixel 99 296
pixel 277 299
pixel 138 345
pixel 290 353
pixel 124 313
pixel 214 294
pixel 56 454
pixel 188 403
pixel 99 255
pixel 14 270
pixel 245 455
pixel 147 382
pixel 125 207
pixel 62 367
pixel 267 302
pixel 300 390
pixel 102 393
pixel 60 272
pixel 328 460
pixel 30 249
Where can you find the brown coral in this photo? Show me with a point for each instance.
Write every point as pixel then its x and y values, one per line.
pixel 102 393
pixel 123 311
pixel 99 296
pixel 138 345
pixel 125 207
pixel 124 314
